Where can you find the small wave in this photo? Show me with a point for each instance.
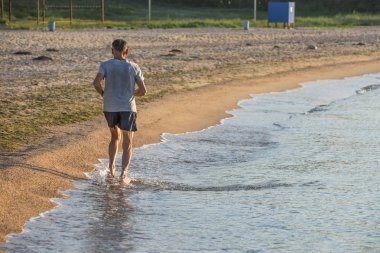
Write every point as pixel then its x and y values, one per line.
pixel 319 108
pixel 368 88
pixel 311 183
pixel 168 186
pixel 281 127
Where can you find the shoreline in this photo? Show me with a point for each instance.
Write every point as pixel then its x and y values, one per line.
pixel 51 165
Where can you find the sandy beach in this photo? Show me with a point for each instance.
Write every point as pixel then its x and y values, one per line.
pixel 193 76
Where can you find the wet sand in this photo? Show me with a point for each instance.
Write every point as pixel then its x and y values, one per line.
pixel 204 91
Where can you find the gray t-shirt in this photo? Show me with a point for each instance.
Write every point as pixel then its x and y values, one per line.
pixel 121 77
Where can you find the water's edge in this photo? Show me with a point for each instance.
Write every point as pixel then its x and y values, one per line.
pixel 97 176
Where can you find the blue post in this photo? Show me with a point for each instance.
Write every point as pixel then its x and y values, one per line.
pixel 246 25
pixel 51 26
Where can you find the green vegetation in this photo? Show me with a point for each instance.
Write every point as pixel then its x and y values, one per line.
pixel 340 20
pixel 194 13
pixel 26 117
pixel 186 23
pixel 349 20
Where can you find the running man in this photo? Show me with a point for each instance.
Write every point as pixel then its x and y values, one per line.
pixel 123 82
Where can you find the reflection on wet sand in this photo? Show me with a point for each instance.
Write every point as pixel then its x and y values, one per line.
pixel 114 222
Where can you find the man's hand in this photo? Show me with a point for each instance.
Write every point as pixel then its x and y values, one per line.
pixel 97 84
pixel 141 89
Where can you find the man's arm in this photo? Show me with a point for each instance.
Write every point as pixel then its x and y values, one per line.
pixel 141 89
pixel 97 83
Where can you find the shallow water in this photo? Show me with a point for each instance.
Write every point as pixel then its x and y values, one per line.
pixel 295 171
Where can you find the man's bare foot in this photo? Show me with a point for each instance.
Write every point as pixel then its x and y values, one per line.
pixel 124 180
pixel 123 177
pixel 111 173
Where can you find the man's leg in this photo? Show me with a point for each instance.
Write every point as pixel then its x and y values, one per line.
pixel 127 153
pixel 112 149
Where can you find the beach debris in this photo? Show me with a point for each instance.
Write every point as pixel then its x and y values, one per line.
pixel 34 82
pixel 359 44
pixel 249 44
pixel 52 50
pixel 312 47
pixel 43 58
pixel 168 55
pixel 276 47
pixel 23 53
pixel 176 51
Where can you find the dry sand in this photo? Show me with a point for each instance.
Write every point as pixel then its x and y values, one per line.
pixel 214 70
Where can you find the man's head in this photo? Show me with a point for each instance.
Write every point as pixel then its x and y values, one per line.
pixel 120 49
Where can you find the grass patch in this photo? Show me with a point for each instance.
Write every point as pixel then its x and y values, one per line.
pixel 154 24
pixel 348 20
pixel 27 117
pixel 159 93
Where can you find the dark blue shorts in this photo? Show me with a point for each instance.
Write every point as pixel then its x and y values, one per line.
pixel 126 121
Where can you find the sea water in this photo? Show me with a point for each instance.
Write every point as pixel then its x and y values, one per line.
pixel 294 171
